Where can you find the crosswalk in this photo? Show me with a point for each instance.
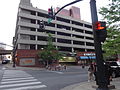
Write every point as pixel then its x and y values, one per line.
pixel 19 80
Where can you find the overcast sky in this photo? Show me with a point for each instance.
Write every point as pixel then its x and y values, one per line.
pixel 9 9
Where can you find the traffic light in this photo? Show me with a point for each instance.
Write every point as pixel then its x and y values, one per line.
pixel 100 25
pixel 41 25
pixel 51 13
pixel 100 30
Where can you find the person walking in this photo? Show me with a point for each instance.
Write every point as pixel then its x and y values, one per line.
pixel 90 72
pixel 108 73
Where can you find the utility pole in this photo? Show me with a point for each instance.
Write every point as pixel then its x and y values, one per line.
pixel 101 79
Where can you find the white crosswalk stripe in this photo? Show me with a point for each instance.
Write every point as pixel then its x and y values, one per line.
pixel 5 82
pixel 19 80
pixel 12 79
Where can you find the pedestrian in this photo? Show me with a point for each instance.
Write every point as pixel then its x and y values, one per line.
pixel 90 72
pixel 64 67
pixel 83 66
pixel 108 73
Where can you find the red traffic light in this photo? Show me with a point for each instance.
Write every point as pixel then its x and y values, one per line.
pixel 49 10
pixel 100 25
pixel 100 30
pixel 51 13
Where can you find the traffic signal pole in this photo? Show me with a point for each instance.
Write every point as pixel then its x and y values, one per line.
pixel 52 14
pixel 101 79
pixel 67 5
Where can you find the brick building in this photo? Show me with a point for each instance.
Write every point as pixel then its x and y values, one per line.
pixel 70 33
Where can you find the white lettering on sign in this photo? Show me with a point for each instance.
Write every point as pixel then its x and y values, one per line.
pixel 89 54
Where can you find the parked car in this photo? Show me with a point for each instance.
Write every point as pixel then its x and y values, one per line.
pixel 5 61
pixel 115 66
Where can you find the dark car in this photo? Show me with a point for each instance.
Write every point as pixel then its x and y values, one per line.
pixel 5 61
pixel 115 66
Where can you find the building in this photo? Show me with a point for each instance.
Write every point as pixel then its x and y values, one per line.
pixel 70 33
pixel 2 47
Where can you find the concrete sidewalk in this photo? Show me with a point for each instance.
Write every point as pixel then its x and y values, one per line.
pixel 92 85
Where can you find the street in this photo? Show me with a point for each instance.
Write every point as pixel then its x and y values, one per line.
pixel 41 79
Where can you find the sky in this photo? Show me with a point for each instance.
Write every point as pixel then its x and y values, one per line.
pixel 9 9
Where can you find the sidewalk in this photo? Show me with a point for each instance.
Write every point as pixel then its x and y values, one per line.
pixel 89 85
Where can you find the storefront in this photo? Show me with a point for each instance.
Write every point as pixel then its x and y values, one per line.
pixel 85 57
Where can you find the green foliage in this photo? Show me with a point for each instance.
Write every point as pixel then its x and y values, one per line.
pixel 50 53
pixel 111 14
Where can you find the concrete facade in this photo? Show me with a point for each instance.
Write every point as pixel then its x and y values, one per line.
pixel 70 33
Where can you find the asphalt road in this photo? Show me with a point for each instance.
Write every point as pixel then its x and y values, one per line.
pixel 56 80
pixel 41 79
pixel 1 71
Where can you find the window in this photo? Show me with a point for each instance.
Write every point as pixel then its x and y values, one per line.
pixel 77 23
pixel 79 49
pixel 63 20
pixel 63 27
pixel 68 49
pixel 89 44
pixel 89 38
pixel 77 36
pixel 78 42
pixel 32 46
pixel 88 32
pixel 88 26
pixel 63 34
pixel 43 15
pixel 24 37
pixel 32 37
pixel 33 21
pixel 77 30
pixel 41 38
pixel 33 13
pixel 40 47
pixel 64 41
pixel 33 29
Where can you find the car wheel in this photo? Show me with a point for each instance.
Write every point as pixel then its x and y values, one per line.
pixel 113 74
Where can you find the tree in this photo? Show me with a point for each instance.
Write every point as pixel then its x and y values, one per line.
pixel 111 13
pixel 50 53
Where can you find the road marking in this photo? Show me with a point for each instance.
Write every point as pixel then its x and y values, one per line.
pixel 28 87
pixel 12 79
pixel 19 80
pixel 16 76
pixel 8 82
pixel 3 68
pixel 11 75
pixel 57 72
pixel 21 84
